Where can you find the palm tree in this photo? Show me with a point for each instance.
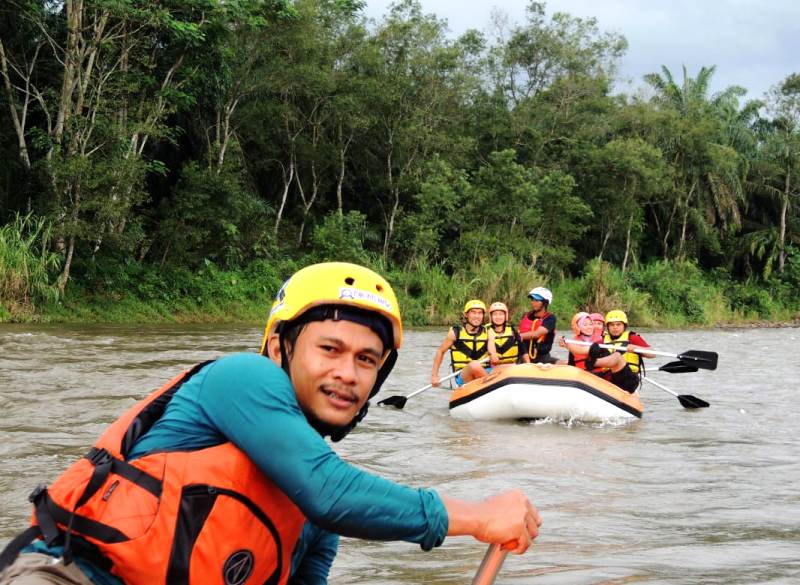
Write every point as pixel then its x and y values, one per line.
pixel 708 178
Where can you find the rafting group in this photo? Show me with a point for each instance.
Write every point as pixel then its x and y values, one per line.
pixel 601 344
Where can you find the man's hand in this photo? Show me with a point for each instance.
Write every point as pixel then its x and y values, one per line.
pixel 509 519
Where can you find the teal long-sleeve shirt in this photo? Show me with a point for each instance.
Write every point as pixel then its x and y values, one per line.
pixel 248 400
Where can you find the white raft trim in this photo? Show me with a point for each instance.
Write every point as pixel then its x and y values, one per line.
pixel 519 397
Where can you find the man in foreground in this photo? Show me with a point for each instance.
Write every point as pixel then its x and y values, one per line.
pixel 223 475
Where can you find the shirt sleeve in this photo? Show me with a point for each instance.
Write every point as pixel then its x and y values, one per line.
pixel 637 339
pixel 313 556
pixel 252 403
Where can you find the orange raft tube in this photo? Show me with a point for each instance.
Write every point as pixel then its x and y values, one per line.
pixel 537 391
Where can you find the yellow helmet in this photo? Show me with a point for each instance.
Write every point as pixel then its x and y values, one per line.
pixel 616 316
pixel 334 283
pixel 474 304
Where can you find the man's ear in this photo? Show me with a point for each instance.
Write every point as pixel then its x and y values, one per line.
pixel 274 348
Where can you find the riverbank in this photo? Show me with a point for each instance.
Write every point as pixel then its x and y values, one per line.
pixel 663 295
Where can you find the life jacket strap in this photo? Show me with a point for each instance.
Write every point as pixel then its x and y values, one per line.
pixel 13 548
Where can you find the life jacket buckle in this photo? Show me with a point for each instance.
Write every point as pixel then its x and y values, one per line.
pixel 37 492
pixel 99 457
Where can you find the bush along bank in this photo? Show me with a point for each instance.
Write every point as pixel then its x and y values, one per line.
pixel 660 294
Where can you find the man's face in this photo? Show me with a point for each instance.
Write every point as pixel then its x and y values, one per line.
pixel 333 366
pixel 615 328
pixel 537 305
pixel 475 317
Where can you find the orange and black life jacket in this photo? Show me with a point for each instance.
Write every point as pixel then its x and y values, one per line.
pixel 540 345
pixel 206 516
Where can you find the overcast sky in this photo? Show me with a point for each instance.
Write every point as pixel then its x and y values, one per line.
pixel 753 43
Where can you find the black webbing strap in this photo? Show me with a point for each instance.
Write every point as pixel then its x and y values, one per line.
pixel 13 548
pixel 45 527
pixel 101 458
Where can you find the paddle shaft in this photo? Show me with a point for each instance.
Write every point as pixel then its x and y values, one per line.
pixel 447 377
pixel 429 386
pixel 622 349
pixel 399 401
pixel 490 565
pixel 664 388
pixel 686 400
pixel 706 360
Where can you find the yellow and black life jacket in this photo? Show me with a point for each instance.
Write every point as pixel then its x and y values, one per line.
pixel 468 347
pixel 507 345
pixel 205 516
pixel 634 359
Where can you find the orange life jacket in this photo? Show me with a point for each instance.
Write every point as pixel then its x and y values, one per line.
pixel 535 344
pixel 207 516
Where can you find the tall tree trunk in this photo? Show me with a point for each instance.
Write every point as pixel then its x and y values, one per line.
pixel 627 244
pixel 343 146
pixel 784 213
pixel 288 177
pixel 19 119
pixel 390 223
pixel 603 244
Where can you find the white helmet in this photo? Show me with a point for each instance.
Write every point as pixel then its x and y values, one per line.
pixel 541 293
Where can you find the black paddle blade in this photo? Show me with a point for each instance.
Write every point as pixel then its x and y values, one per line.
pixel 689 401
pixel 397 401
pixel 677 368
pixel 707 360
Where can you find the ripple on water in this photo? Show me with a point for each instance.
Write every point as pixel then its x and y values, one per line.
pixel 706 496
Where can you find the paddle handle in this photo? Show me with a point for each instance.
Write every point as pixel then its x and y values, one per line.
pixel 490 565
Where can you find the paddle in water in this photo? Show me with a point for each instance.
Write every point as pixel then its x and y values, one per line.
pixel 686 400
pixel 399 401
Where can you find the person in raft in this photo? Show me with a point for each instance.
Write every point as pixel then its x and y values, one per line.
pixel 538 327
pixel 623 369
pixel 503 341
pixel 599 321
pixel 618 334
pixel 467 344
pixel 584 329
pixel 223 475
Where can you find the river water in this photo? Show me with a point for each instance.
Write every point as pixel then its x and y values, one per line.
pixel 706 496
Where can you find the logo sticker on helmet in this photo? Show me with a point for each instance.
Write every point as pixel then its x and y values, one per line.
pixel 238 567
pixel 362 295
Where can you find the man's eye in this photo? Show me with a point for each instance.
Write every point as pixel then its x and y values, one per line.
pixel 368 359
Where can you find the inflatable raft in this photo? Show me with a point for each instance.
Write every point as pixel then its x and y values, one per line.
pixel 537 391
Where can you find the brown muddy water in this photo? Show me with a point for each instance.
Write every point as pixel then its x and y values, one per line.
pixel 707 496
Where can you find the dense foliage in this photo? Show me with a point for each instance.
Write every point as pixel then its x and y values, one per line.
pixel 148 145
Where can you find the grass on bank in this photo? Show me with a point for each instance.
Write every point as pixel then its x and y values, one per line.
pixel 659 294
